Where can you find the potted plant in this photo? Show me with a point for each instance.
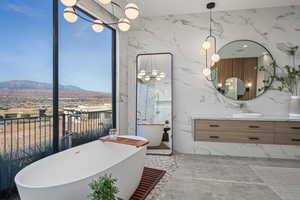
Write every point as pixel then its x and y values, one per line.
pixel 288 78
pixel 104 188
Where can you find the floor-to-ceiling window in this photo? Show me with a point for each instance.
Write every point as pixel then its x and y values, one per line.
pixel 86 76
pixel 25 83
pixel 86 82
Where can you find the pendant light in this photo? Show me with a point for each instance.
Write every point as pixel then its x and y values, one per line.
pixel 98 26
pixel 207 45
pixel 151 75
pixel 130 12
pixel 124 24
pixel 70 15
pixel 105 1
pixel 69 2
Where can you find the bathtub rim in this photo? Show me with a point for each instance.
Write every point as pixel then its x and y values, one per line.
pixel 84 178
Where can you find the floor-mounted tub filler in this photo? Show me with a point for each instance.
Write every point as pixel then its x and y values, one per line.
pixel 66 175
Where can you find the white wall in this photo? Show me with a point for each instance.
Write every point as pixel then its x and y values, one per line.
pixel 183 35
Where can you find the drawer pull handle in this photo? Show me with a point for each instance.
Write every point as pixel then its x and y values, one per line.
pixel 214 137
pixel 297 128
pixel 214 125
pixel 253 138
pixel 253 126
pixel 295 140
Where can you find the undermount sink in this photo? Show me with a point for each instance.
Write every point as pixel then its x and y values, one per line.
pixel 247 115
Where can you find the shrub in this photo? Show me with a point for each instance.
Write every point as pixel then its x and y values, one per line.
pixel 104 188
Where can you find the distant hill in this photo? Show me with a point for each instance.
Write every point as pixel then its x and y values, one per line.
pixel 33 85
pixel 33 88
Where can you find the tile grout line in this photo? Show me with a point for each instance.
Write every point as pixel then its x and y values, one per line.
pixel 269 186
pixel 229 181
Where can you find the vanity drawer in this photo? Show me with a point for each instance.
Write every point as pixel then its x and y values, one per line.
pixel 235 126
pixel 289 139
pixel 234 137
pixel 287 127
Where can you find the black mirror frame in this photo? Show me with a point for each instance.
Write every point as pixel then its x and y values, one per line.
pixel 172 95
pixel 274 69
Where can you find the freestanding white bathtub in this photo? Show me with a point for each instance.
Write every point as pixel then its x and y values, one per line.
pixel 152 132
pixel 66 175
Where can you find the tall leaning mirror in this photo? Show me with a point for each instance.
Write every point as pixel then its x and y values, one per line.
pixel 154 101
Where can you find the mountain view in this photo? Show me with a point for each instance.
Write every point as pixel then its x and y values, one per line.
pixel 23 84
pixel 25 88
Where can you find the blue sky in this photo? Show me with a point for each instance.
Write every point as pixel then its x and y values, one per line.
pixel 26 47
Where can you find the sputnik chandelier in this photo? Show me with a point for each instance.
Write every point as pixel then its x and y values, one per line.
pixel 146 76
pixel 131 12
pixel 150 75
pixel 208 45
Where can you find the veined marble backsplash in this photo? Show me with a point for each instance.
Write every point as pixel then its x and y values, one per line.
pixel 183 35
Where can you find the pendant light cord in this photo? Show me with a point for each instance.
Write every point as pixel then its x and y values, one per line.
pixel 210 20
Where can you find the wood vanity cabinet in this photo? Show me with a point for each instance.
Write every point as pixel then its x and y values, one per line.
pixel 242 131
pixel 287 133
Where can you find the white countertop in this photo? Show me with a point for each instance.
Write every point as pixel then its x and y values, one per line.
pixel 230 117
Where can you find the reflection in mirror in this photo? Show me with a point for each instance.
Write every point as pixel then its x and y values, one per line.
pixel 234 88
pixel 154 101
pixel 236 75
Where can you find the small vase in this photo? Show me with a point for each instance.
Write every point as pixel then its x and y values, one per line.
pixel 294 106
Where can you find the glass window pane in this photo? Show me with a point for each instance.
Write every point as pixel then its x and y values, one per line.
pixel 86 79
pixel 25 84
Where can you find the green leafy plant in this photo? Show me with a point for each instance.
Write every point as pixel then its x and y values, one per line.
pixel 104 188
pixel 288 76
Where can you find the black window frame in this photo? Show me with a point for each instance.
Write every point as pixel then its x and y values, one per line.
pixel 56 72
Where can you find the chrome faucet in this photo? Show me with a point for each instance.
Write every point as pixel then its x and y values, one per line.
pixel 243 107
pixel 68 135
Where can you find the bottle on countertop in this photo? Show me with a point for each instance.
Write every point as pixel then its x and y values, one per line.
pixel 113 132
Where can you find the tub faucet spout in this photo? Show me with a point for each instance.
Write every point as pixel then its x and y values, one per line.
pixel 68 137
pixel 68 134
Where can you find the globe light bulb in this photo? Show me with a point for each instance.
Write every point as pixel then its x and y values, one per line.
pixel 162 75
pixel 132 11
pixel 213 64
pixel 143 72
pixel 69 2
pixel 206 45
pixel 147 78
pixel 215 58
pixel 206 72
pixel 158 78
pixel 105 1
pixel 70 15
pixel 154 72
pixel 124 24
pixel 140 76
pixel 98 26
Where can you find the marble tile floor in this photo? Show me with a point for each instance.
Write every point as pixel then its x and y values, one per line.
pixel 197 177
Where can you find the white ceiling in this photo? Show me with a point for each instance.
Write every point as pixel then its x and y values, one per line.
pixel 167 7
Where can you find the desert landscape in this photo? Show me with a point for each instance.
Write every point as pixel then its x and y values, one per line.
pixel 26 110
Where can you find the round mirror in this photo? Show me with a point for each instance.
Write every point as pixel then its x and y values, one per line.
pixel 237 75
